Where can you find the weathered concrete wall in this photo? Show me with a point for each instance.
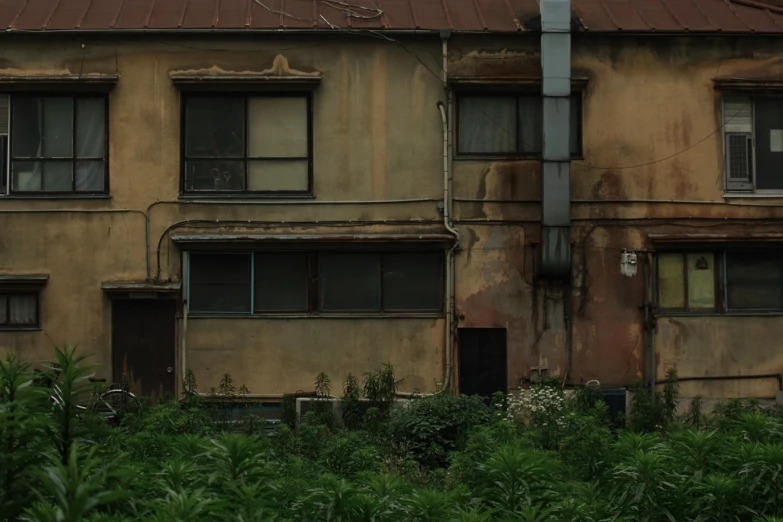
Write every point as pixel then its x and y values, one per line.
pixel 650 115
pixel 287 354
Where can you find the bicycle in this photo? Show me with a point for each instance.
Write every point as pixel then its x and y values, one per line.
pixel 110 404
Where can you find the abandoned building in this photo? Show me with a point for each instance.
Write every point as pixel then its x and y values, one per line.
pixel 482 194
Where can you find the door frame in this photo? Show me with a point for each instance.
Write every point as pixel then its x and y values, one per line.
pixel 145 291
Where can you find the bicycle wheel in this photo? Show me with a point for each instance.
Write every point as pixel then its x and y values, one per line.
pixel 112 404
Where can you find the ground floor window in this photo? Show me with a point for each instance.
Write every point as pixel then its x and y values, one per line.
pixel 724 280
pixel 18 310
pixel 329 281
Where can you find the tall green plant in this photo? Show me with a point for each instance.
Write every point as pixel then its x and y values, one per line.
pixel 23 421
pixel 71 388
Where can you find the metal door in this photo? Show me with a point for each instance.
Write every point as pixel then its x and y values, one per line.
pixel 482 361
pixel 143 345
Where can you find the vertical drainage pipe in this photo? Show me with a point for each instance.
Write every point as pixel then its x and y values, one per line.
pixel 450 301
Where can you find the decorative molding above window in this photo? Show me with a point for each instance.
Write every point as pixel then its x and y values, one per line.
pixel 280 75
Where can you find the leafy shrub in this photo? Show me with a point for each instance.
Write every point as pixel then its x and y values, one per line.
pixel 431 427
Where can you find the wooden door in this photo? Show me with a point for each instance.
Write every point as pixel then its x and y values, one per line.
pixel 482 361
pixel 143 345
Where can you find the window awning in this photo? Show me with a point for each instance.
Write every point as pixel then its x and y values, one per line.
pixel 139 287
pixel 221 240
pixel 59 82
pixel 716 238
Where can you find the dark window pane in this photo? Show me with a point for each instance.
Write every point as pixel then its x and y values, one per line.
pixel 90 176
pixel 487 125
pixel 531 121
pixel 23 309
pixel 57 176
pixel 351 282
pixel 281 282
pixel 3 163
pixel 215 127
pixel 27 127
pixel 754 281
pixel 220 283
pixel 769 158
pixel 412 281
pixel 58 128
pixel 3 309
pixel 26 176
pixel 90 127
pixel 214 175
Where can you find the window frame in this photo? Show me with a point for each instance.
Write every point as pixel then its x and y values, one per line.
pixel 753 189
pixel 73 193
pixel 314 285
pixel 722 307
pixel 7 293
pixel 245 95
pixel 718 281
pixel 576 97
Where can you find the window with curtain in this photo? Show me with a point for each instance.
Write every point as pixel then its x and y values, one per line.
pixel 58 144
pixel 18 310
pixel 508 125
pixel 247 144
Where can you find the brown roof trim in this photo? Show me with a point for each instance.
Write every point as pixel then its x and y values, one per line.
pixel 716 238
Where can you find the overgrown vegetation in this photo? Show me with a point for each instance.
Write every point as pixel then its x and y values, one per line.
pixel 544 456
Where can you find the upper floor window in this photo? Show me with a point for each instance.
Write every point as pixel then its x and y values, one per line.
pixel 753 143
pixel 721 281
pixel 53 144
pixel 509 125
pixel 315 282
pixel 247 144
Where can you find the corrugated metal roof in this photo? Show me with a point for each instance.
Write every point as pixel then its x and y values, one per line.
pixel 496 16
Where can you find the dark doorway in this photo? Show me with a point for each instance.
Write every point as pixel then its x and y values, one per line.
pixel 482 361
pixel 143 345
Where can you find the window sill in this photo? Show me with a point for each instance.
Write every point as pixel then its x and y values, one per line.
pixel 54 196
pixel 246 196
pixel 411 315
pixel 20 329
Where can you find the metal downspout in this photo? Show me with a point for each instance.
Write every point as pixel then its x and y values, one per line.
pixel 450 301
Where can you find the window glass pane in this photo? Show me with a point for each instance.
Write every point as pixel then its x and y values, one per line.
pixel 3 309
pixel 220 283
pixel 214 127
pixel 26 127
pixel 671 281
pixel 753 280
pixel 58 176
pixel 23 309
pixel 277 127
pixel 90 127
pixel 412 281
pixel 530 124
pixel 701 280
pixel 351 282
pixel 281 282
pixel 768 115
pixel 214 175
pixel 487 124
pixel 90 176
pixel 58 128
pixel 277 175
pixel 26 176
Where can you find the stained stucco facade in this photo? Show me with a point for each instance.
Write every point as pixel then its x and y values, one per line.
pixel 651 164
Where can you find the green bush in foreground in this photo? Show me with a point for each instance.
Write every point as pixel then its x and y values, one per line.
pixel 441 458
